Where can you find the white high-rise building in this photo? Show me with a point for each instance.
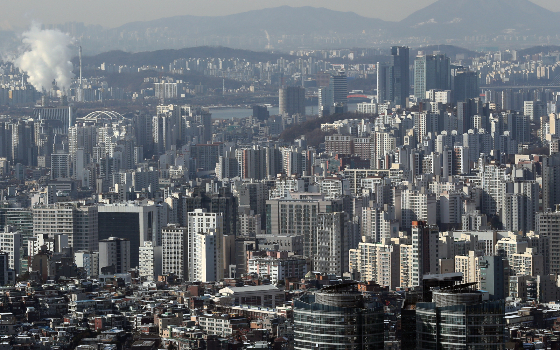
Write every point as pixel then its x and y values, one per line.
pixel 205 246
pixel 378 262
pixel 175 251
pixel 10 242
pixel 114 256
pixel 150 261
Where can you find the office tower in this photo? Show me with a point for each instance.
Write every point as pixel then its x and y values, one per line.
pixel 89 261
pixel 150 266
pixel 204 118
pixel 291 100
pixel 425 255
pixel 399 79
pixel 383 80
pixel 340 89
pixel 337 317
pixel 465 86
pixel 61 166
pixel 459 318
pixel 131 220
pixel 326 101
pixel 260 113
pixel 431 72
pixel 11 243
pixel 205 255
pixel 114 256
pixel 175 251
pixel 74 219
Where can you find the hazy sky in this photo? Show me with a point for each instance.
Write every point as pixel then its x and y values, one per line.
pixel 112 13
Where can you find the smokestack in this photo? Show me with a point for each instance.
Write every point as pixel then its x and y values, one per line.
pixel 80 55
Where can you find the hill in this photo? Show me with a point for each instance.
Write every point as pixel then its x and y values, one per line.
pixel 164 57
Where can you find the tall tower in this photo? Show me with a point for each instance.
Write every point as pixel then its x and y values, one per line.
pixel 431 72
pixel 291 100
pixel 399 75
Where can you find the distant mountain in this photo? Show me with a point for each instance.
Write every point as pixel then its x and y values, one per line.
pixel 164 57
pixel 446 19
pixel 498 23
pixel 283 20
pixel 278 27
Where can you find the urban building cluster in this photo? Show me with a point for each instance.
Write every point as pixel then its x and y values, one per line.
pixel 429 218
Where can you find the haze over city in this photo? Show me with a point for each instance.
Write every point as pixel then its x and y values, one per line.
pixel 231 175
pixel 115 13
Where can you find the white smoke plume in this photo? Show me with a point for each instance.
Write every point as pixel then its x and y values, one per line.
pixel 46 57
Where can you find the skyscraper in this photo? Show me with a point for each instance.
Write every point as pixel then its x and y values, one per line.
pixel 383 79
pixel 465 85
pixel 399 82
pixel 291 100
pixel 137 223
pixel 431 72
pixel 340 88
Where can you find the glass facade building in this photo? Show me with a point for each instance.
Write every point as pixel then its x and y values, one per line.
pixel 460 321
pixel 338 317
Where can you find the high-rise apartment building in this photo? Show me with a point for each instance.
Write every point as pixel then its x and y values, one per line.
pixel 330 244
pixel 175 251
pixel 205 244
pixel 150 258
